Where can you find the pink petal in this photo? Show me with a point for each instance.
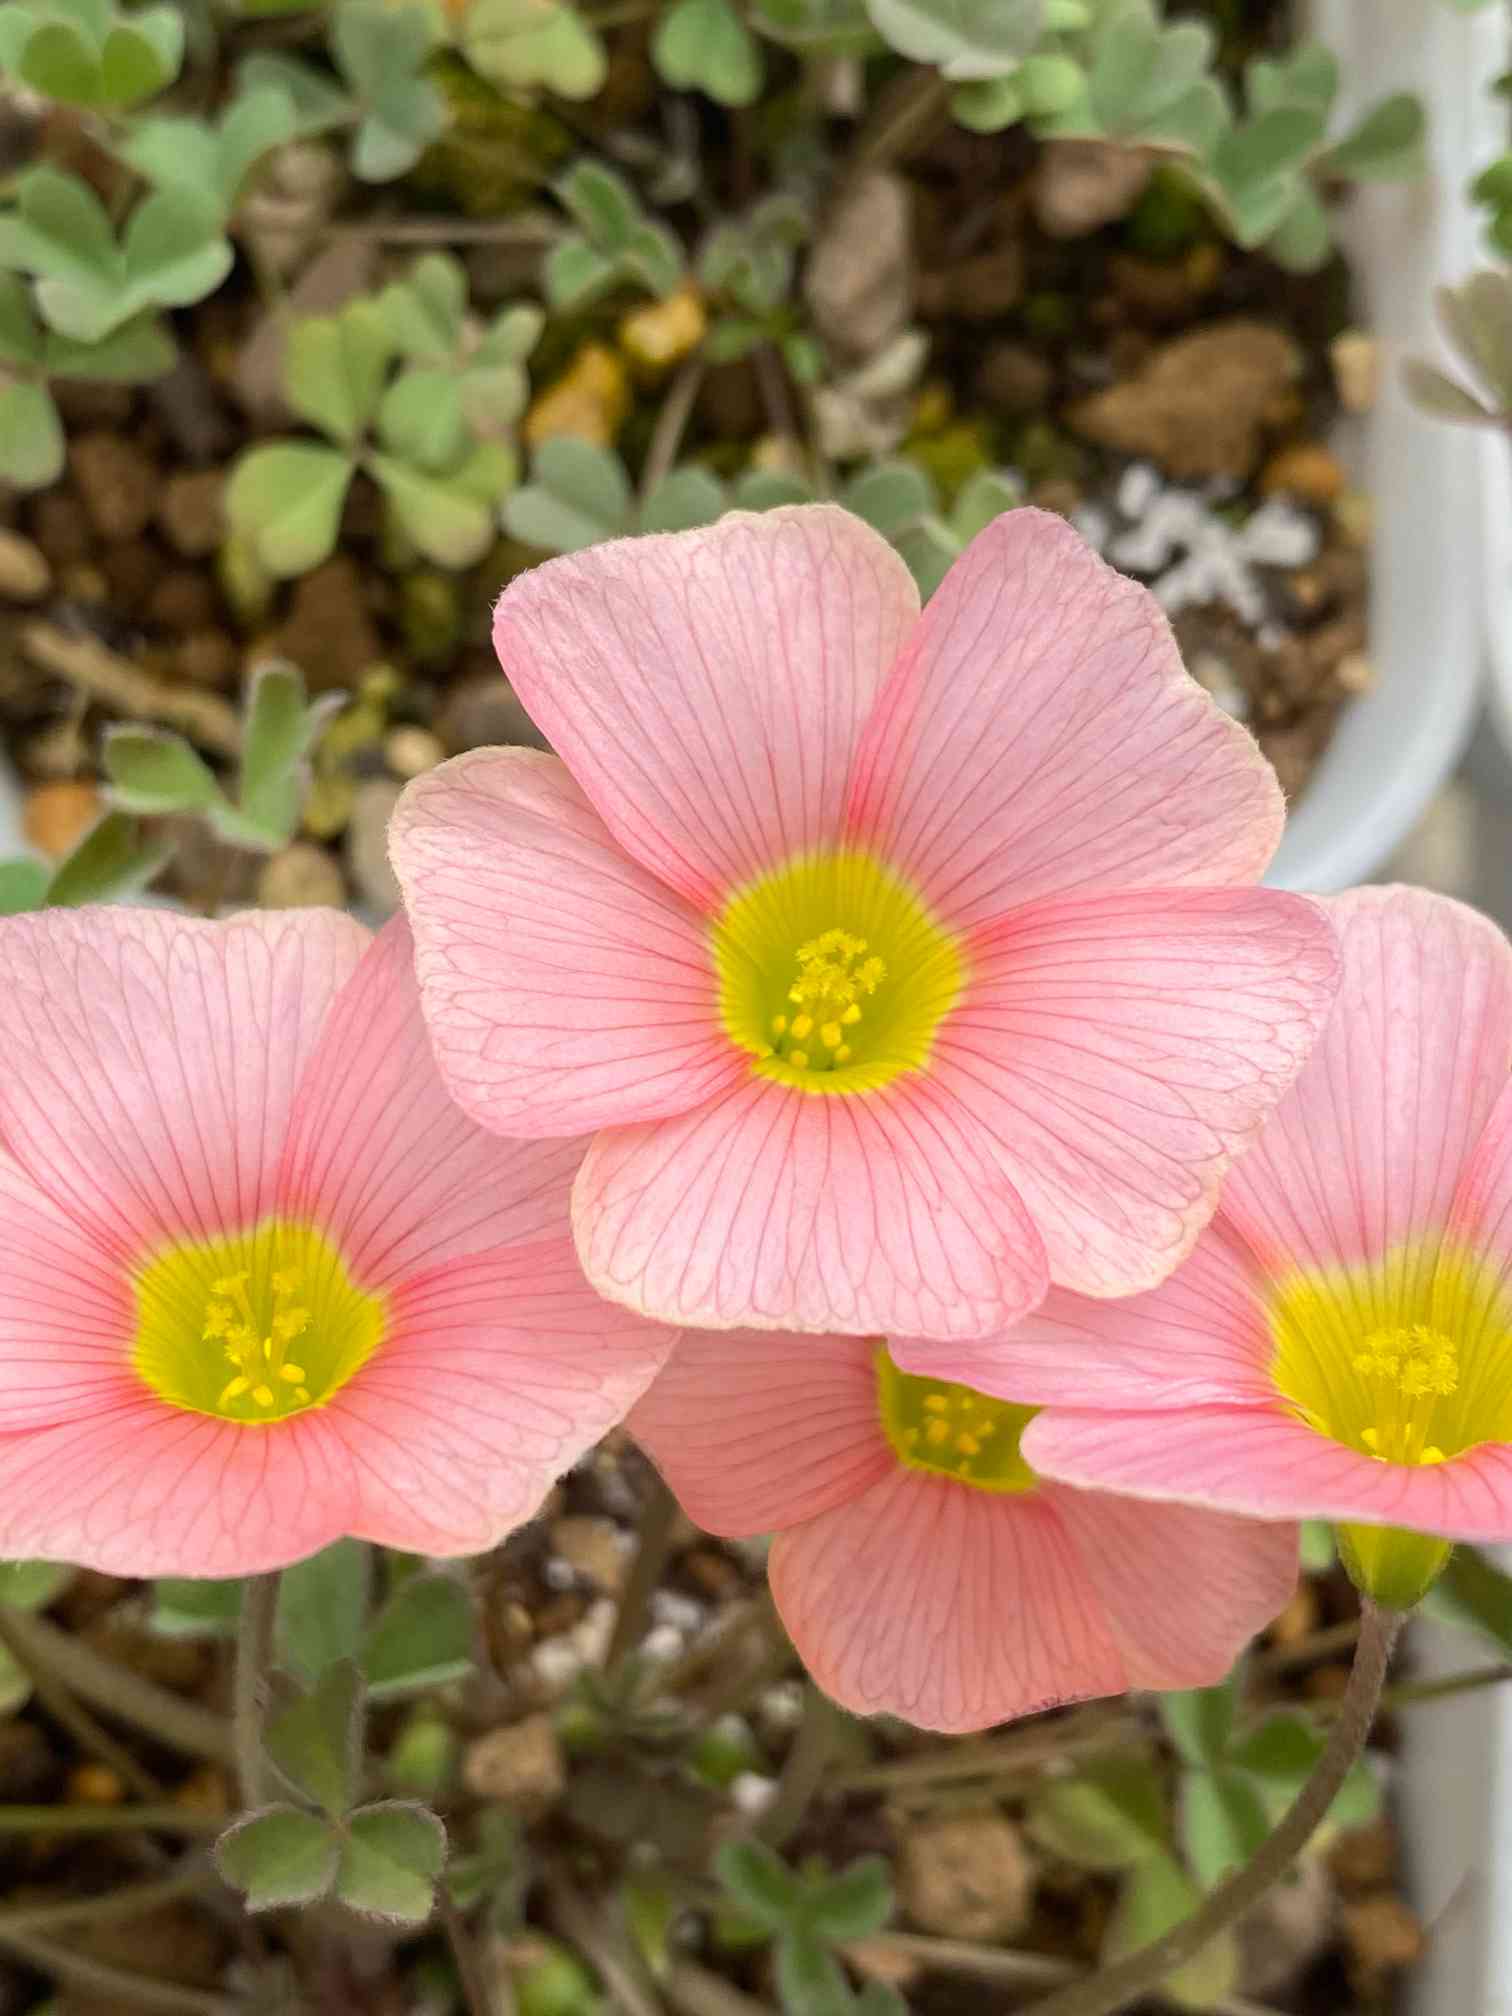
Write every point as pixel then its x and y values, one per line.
pixel 1039 738
pixel 139 1488
pixel 1266 1463
pixel 500 1372
pixel 951 1607
pixel 770 1207
pixel 1123 1050
pixel 67 1318
pixel 755 1429
pixel 1364 1157
pixel 381 1158
pixel 1200 1339
pixel 1480 1219
pixel 708 689
pixel 1186 1629
pixel 151 1060
pixel 565 987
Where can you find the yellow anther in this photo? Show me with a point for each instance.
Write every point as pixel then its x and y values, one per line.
pixel 802 1026
pixel 852 1015
pixel 968 1445
pixel 844 1054
pixel 779 1025
pixel 1433 1455
pixel 1371 1437
pixel 296 1375
pixel 263 1395
pixel 936 1432
pixel 291 1322
pixel 936 1403
pixel 234 1390
pixel 798 1058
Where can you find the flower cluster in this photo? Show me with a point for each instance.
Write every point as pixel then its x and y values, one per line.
pixel 864 1058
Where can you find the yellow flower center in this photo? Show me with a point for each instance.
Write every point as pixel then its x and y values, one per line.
pixel 253 1327
pixel 833 974
pixel 953 1431
pixel 1408 1360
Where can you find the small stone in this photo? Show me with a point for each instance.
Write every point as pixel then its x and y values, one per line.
pixel 60 527
pixel 301 877
pixel 410 752
pixel 191 511
pixel 1015 380
pixel 24 573
pixel 328 632
pixel 206 658
pixel 661 334
pixel 1384 1933
pixel 1080 185
pixel 1356 360
pixel 1201 405
pixel 592 1548
pixel 117 482
pixel 58 815
pixel 96 1785
pixel 367 844
pixel 181 600
pixel 1304 470
pixel 205 1790
pixel 965 1876
pixel 859 280
pixel 482 712
pixel 591 400
pixel 519 1766
pixel 1363 1858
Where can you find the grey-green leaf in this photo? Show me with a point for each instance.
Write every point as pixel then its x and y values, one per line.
pixel 109 864
pixel 322 1608
pixel 31 436
pixel 285 499
pixel 578 494
pixel 421 1638
pixel 390 1859
pixel 184 1608
pixel 963 38
pixel 704 45
pixel 153 772
pixel 684 498
pixel 279 1857
pixel 315 1742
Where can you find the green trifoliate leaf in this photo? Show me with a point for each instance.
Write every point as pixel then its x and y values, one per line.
pixel 316 1742
pixel 319 105
pixel 285 500
pixel 1303 239
pixel 31 436
pixel 1155 1896
pixel 390 1859
pixel 684 498
pixel 704 45
pixel 450 517
pixel 323 1600
pixel 21 338
pixel 576 272
pixel 1110 1816
pixel 577 495
pixel 988 105
pixel 984 496
pixel 810 1980
pixel 602 203
pixel 768 489
pixel 217 158
pixel 1200 1720
pixel 109 864
pixel 279 1857
pixel 23 882
pixel 184 1608
pixel 1386 145
pixel 523 44
pixel 421 1638
pixel 131 355
pixel 758 1880
pixel 92 56
pixel 965 39
pixel 1223 1820
pixel 853 1904
pixel 1308 75
pixel 380 50
pixel 59 231
pixel 421 420
pixel 335 369
pixel 279 731
pixel 818 27
pixel 891 496
pixel 153 773
pixel 425 311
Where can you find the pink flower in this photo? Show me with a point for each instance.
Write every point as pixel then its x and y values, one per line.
pixel 1339 1344
pixel 976 875
pixel 264 1285
pixel 921 1566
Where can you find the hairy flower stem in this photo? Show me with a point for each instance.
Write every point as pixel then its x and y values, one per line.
pixel 1114 1988
pixel 254 1658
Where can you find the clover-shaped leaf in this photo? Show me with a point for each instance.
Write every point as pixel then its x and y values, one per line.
pixel 818 27
pixel 278 732
pixel 285 500
pixel 319 104
pixel 521 44
pixel 425 310
pixel 279 1856
pixel 616 240
pixel 421 419
pixel 92 55
pixel 1109 1816
pixel 154 773
pixel 450 516
pixel 315 1741
pixel 577 495
pixel 684 498
pixel 380 50
pixel 759 1882
pixel 335 368
pixel 215 157
pixel 421 1638
pixel 963 38
pixel 31 436
pixel 390 1858
pixel 704 45
pixel 1385 146
pixel 109 864
pixel 322 1608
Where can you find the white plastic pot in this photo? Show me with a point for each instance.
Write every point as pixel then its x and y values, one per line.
pixel 1397 744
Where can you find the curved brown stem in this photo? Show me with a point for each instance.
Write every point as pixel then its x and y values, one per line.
pixel 1114 1988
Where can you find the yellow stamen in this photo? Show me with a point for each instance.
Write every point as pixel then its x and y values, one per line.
pixel 938 1426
